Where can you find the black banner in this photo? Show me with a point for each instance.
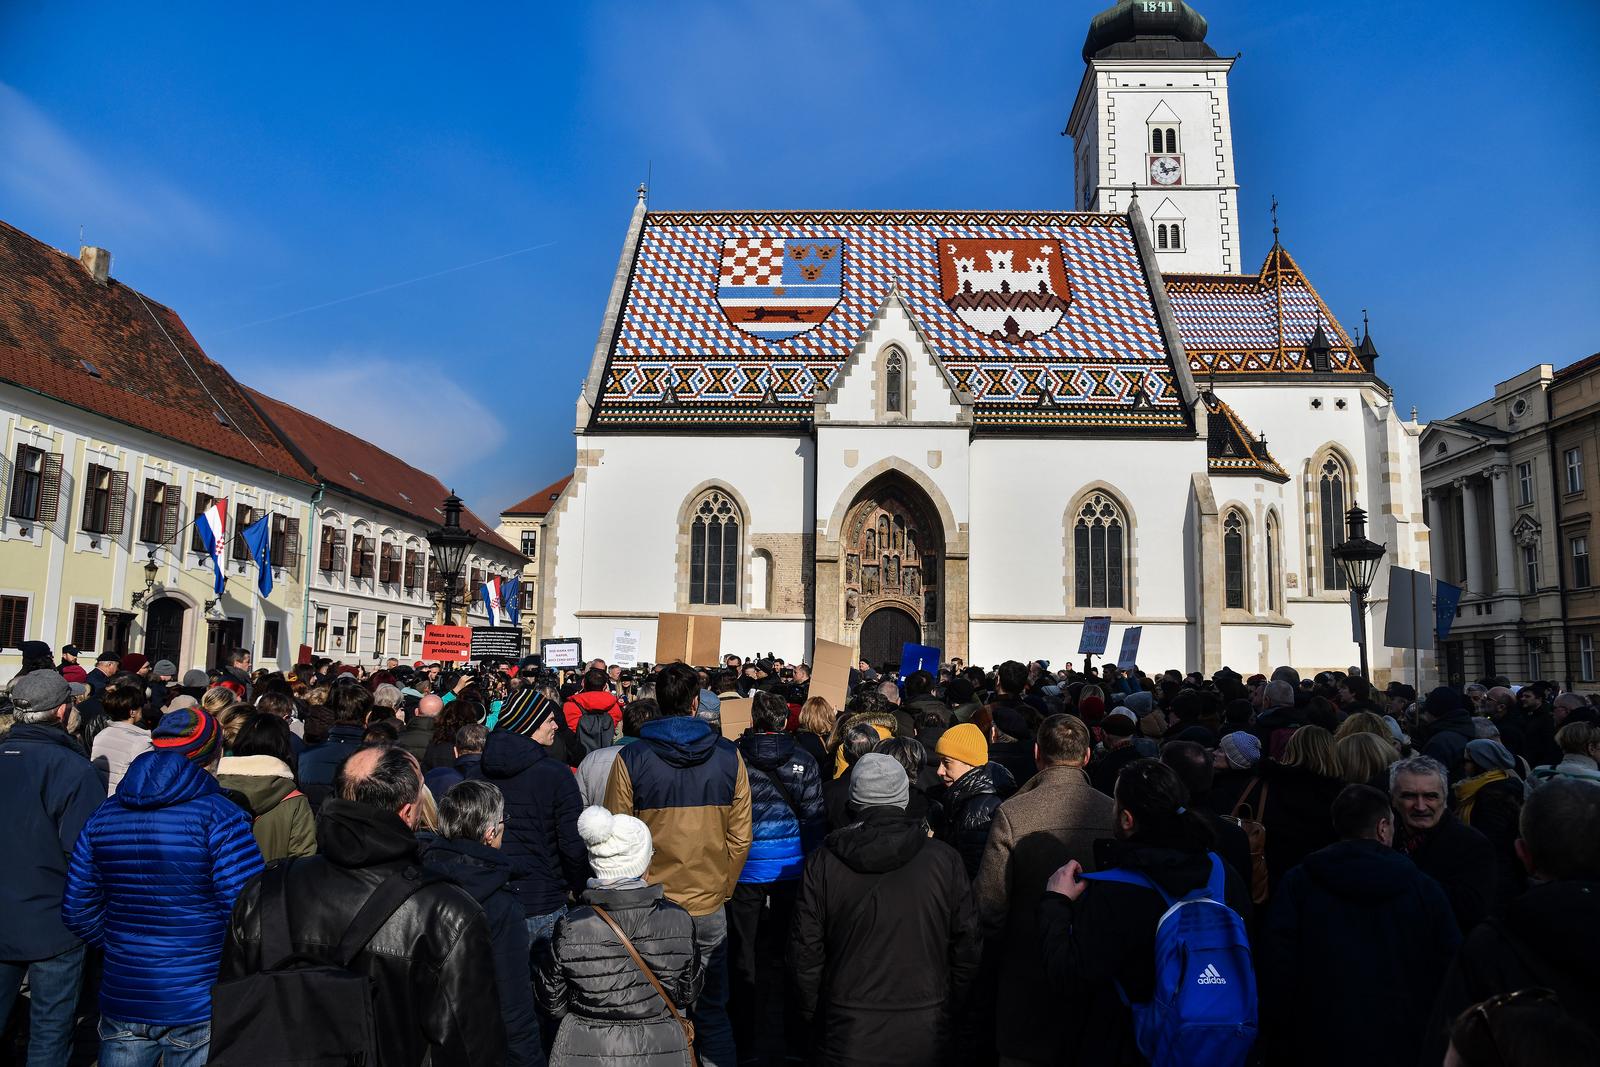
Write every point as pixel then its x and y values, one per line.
pixel 497 642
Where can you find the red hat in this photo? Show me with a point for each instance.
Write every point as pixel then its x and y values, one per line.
pixel 133 662
pixel 1091 709
pixel 74 673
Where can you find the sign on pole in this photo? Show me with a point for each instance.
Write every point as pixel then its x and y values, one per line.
pixel 1129 656
pixel 1096 632
pixel 561 652
pixel 1405 625
pixel 447 644
pixel 625 647
pixel 915 658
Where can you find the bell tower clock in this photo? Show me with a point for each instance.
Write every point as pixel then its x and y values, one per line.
pixel 1152 114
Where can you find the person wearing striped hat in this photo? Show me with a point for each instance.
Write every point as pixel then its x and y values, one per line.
pixel 168 815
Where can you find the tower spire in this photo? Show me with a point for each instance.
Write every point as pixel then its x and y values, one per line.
pixel 1274 220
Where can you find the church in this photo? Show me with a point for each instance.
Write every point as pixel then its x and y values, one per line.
pixel 976 429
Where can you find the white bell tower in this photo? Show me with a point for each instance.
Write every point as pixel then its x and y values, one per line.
pixel 1152 114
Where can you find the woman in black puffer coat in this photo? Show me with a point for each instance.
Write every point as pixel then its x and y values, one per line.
pixel 609 1012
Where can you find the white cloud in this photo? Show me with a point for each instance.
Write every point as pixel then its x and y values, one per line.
pixel 404 407
pixel 54 173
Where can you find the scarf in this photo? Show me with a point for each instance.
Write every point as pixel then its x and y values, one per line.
pixel 1467 792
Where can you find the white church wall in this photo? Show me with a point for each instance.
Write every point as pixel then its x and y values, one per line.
pixel 858 395
pixel 938 456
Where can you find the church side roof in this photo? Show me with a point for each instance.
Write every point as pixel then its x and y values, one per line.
pixel 1257 323
pixel 539 503
pixel 741 319
pixel 1232 449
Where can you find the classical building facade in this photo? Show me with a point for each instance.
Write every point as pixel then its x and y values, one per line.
pixel 523 524
pixel 1575 465
pixel 117 432
pixel 976 429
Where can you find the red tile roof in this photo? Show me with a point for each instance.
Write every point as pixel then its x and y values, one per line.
pixel 539 503
pixel 362 469
pixel 57 322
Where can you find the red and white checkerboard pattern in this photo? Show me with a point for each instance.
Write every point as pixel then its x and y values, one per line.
pixel 752 261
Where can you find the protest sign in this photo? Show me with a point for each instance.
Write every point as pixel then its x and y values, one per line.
pixel 692 639
pixel 561 653
pixel 736 717
pixel 1129 656
pixel 830 672
pixel 625 647
pixel 915 658
pixel 496 642
pixel 1096 632
pixel 447 644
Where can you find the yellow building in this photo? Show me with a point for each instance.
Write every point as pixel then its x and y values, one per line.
pixel 524 525
pixel 117 432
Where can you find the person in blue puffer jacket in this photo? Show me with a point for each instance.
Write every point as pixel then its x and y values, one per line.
pixel 788 819
pixel 152 879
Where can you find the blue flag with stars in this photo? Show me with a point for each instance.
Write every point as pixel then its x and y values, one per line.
pixel 258 539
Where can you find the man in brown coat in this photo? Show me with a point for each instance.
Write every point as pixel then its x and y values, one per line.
pixel 1055 818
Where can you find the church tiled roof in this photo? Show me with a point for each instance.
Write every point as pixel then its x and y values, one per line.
pixel 1045 319
pixel 1259 323
pixel 1230 448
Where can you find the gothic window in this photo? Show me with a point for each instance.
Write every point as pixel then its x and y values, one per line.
pixel 1333 481
pixel 1234 554
pixel 714 550
pixel 1161 235
pixel 1164 140
pixel 894 372
pixel 1099 553
pixel 1155 139
pixel 1175 235
pixel 1172 140
pixel 1274 596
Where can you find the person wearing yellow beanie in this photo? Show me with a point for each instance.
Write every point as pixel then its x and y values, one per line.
pixel 976 788
pixel 960 749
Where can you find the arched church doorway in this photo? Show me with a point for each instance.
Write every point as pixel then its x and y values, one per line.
pixel 163 630
pixel 884 633
pixel 892 550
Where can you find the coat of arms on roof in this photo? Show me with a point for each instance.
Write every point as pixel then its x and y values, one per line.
pixel 778 287
pixel 1010 290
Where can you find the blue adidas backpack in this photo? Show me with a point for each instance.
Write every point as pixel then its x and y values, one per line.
pixel 1203 1013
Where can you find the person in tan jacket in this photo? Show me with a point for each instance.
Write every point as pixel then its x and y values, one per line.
pixel 690 786
pixel 260 770
pixel 1054 818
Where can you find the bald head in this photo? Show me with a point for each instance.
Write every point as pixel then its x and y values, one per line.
pixel 385 777
pixel 890 692
pixel 430 705
pixel 1499 696
pixel 1566 704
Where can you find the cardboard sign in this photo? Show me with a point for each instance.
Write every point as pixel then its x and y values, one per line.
pixel 915 658
pixel 447 644
pixel 830 672
pixel 562 652
pixel 736 717
pixel 625 648
pixel 1129 656
pixel 1096 632
pixel 692 639
pixel 497 642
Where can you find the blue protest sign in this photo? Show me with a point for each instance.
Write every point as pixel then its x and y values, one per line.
pixel 918 658
pixel 1445 599
pixel 1096 632
pixel 1129 656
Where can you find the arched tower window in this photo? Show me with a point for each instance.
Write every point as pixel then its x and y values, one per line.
pixel 1172 140
pixel 894 372
pixel 1332 483
pixel 714 555
pixel 1161 235
pixel 1274 594
pixel 1099 553
pixel 1235 553
pixel 1155 139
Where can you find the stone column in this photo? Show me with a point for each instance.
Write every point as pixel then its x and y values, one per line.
pixel 1477 584
pixel 1505 578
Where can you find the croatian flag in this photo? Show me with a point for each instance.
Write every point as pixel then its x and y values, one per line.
pixel 511 599
pixel 490 591
pixel 213 527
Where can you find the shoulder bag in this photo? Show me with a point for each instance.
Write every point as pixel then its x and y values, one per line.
pixel 644 968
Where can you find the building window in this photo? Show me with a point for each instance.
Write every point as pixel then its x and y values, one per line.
pixel 380 640
pixel 1574 458
pixel 85 626
pixel 405 637
pixel 1169 235
pixel 1524 483
pixel 1274 594
pixel 1530 567
pixel 1164 139
pixel 285 546
pixel 360 557
pixel 389 564
pixel 1332 480
pixel 714 550
pixel 530 543
pixel 322 630
pixel 14 621
pixel 894 381
pixel 243 515
pixel 413 569
pixel 36 485
pixel 1098 553
pixel 352 629
pixel 331 552
pixel 527 596
pixel 201 502
pixel 1580 562
pixel 269 639
pixel 1586 657
pixel 105 498
pixel 158 517
pixel 1233 560
pixel 1535 663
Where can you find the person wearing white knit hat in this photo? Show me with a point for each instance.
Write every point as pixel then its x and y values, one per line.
pixel 609 1010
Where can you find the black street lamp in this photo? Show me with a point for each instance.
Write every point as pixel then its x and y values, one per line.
pixel 450 544
pixel 1359 559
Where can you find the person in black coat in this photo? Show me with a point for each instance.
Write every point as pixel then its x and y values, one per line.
pixel 1550 937
pixel 1193 765
pixel 975 788
pixel 1455 855
pixel 1097 937
pixel 1299 799
pixel 1353 908
pixel 885 940
pixel 1119 728
pixel 1447 727
pixel 858 741
pixel 472 827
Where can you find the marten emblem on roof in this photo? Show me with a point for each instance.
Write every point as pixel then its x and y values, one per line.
pixel 1012 291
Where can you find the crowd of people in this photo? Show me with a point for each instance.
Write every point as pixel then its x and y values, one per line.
pixel 412 863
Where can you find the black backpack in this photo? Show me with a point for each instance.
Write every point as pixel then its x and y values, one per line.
pixel 596 729
pixel 300 1008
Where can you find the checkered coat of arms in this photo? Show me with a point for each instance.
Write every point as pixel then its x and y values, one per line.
pixel 778 287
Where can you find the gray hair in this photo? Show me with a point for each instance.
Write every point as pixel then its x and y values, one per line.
pixel 1483 726
pixel 646 691
pixel 1280 694
pixel 471 737
pixel 1421 765
pixel 889 691
pixel 386 696
pixel 470 810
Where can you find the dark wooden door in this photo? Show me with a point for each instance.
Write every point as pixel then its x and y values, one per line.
pixel 883 635
pixel 222 638
pixel 163 630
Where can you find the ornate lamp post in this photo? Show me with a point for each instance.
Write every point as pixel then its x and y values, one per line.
pixel 151 570
pixel 449 544
pixel 1359 559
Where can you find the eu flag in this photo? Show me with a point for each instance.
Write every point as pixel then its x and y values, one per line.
pixel 258 539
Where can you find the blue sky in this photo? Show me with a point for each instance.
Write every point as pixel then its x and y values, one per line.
pixel 277 177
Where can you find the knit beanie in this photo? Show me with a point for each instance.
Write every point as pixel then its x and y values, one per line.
pixel 1242 749
pixel 133 662
pixel 619 845
pixel 1490 754
pixel 1153 724
pixel 525 711
pixel 878 781
pixel 965 743
pixel 1120 723
pixel 74 673
pixel 1442 701
pixel 191 732
pixel 1091 709
pixel 1139 703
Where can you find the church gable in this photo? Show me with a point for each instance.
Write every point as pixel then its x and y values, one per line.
pixel 743 320
pixel 893 375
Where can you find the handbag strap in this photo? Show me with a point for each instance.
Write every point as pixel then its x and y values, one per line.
pixel 644 968
pixel 378 909
pixel 1260 809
